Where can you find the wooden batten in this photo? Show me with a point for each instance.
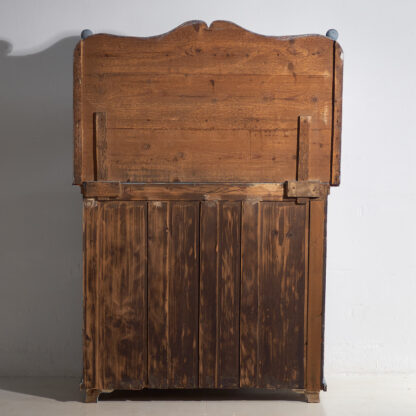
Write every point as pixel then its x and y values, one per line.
pixel 304 132
pixel 337 115
pixel 100 140
pixel 201 192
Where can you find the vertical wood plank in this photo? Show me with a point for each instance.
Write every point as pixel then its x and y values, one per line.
pixel 249 325
pixel 173 282
pixel 272 306
pixel 78 99
pixel 91 238
pixel 100 137
pixel 122 296
pixel 208 294
pixel 228 350
pixel 219 294
pixel 183 294
pixel 157 277
pixel 337 115
pixel 304 123
pixel 317 219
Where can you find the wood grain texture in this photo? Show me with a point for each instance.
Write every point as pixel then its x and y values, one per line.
pixel 317 220
pixel 122 301
pixel 100 139
pixel 196 191
pixel 173 282
pixel 77 114
pixel 91 238
pixel 272 284
pixel 337 115
pixel 219 294
pixel 304 133
pixel 168 96
pixel 115 337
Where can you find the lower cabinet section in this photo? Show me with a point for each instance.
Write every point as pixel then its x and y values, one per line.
pixel 188 294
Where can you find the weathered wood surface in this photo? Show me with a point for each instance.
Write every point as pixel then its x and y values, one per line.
pixel 337 115
pixel 316 284
pixel 115 337
pixel 196 191
pixel 219 294
pixel 272 295
pixel 180 104
pixel 205 157
pixel 195 294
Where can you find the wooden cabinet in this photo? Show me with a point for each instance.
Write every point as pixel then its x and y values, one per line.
pixel 205 157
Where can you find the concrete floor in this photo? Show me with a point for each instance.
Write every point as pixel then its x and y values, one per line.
pixel 390 395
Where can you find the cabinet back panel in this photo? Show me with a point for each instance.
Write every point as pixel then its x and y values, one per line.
pixel 194 294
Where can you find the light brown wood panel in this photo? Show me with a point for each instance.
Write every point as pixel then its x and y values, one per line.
pixel 337 114
pixel 173 282
pixel 181 191
pixel 219 294
pixel 204 96
pixel 116 286
pixel 272 295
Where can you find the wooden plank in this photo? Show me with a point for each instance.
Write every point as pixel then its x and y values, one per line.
pixel 317 219
pixel 91 221
pixel 100 138
pixel 183 294
pixel 196 85
pixel 208 318
pixel 173 281
pixel 202 192
pixel 219 294
pixel 158 292
pixel 303 148
pixel 78 124
pixel 249 318
pixel 121 295
pixel 279 319
pixel 306 189
pixel 337 115
pixel 228 350
pixel 222 48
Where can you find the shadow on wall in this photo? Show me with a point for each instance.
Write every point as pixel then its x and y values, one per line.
pixel 41 229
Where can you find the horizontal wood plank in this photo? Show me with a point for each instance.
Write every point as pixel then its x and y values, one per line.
pixel 202 192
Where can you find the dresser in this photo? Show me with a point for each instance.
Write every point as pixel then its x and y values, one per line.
pixel 205 157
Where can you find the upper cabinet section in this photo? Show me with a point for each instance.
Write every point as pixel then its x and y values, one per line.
pixel 206 104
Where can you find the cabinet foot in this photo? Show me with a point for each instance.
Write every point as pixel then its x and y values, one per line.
pixel 91 395
pixel 312 396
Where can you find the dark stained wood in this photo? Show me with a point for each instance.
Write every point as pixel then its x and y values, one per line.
pixel 173 282
pixel 317 220
pixel 158 292
pixel 168 96
pixel 100 139
pixel 122 332
pixel 272 308
pixel 249 319
pixel 183 294
pixel 177 191
pixel 337 115
pixel 219 294
pixel 91 219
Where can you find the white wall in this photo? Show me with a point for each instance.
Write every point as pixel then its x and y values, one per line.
pixel 371 275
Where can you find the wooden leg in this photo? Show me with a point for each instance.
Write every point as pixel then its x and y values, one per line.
pixel 312 396
pixel 91 395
